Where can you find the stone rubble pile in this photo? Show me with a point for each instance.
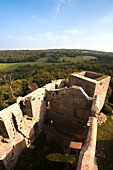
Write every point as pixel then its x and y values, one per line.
pixel 101 118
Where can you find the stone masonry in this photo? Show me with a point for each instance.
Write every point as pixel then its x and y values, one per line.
pixel 65 107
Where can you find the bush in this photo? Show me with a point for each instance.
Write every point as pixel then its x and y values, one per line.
pixel 107 109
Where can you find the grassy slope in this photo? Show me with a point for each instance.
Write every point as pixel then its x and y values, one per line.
pixel 105 145
pixel 77 59
pixel 69 59
pixel 5 67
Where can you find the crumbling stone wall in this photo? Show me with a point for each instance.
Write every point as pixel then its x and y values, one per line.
pixel 86 83
pixel 21 123
pixel 56 84
pixel 87 158
pixel 94 84
pixel 65 108
pixel 101 90
pixel 69 108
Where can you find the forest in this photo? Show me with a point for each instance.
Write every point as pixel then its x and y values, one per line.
pixel 57 64
pixel 14 56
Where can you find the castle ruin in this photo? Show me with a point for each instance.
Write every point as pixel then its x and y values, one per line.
pixel 69 108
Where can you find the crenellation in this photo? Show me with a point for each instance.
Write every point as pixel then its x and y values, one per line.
pixel 70 110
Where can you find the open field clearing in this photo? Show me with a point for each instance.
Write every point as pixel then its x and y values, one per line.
pixel 7 67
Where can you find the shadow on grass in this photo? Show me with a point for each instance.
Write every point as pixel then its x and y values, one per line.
pixel 105 154
pixel 34 157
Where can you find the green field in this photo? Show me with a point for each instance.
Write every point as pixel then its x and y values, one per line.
pixel 105 145
pixel 7 67
pixel 68 59
pixel 77 59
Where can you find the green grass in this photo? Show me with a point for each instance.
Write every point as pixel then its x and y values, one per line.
pixel 43 59
pixel 6 67
pixel 58 157
pixel 102 77
pixel 105 145
pixel 77 59
pixel 69 59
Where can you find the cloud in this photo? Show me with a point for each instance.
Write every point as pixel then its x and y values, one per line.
pixel 107 19
pixel 68 38
pixel 43 21
pixel 102 42
pixel 38 19
pixel 72 31
pixel 101 37
pixel 34 17
pixel 57 8
pixel 65 35
pixel 60 3
pixel 20 38
pixel 106 37
pixel 51 36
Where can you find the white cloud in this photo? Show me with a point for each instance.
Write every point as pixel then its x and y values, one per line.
pixel 20 38
pixel 101 37
pixel 69 38
pixel 65 37
pixel 60 3
pixel 72 31
pixel 102 42
pixel 57 9
pixel 67 34
pixel 106 37
pixel 34 17
pixel 37 19
pixel 107 19
pixel 43 21
pixel 51 36
pixel 66 1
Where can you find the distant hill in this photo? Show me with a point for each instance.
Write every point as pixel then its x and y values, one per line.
pixel 52 55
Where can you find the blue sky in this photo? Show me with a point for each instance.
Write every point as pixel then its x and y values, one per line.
pixel 43 24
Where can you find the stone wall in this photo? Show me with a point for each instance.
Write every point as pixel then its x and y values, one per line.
pixel 87 158
pixel 56 84
pixel 92 83
pixel 69 108
pixel 17 125
pixel 101 90
pixel 86 83
pixel 21 123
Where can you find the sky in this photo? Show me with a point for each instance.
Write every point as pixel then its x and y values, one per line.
pixel 56 24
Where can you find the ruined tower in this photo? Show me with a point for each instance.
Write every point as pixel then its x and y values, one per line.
pixel 66 108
